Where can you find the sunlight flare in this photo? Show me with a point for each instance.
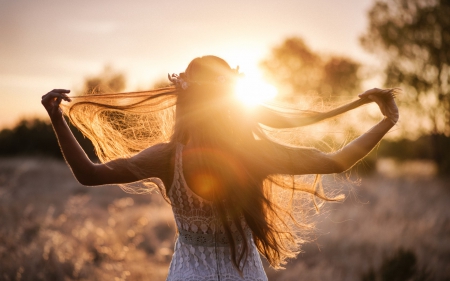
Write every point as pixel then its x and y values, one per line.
pixel 253 90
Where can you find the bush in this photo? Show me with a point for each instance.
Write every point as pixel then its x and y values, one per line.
pixel 36 137
pixel 401 266
pixel 427 147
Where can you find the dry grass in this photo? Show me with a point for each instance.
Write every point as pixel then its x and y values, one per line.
pixel 52 228
pixel 55 229
pixel 380 216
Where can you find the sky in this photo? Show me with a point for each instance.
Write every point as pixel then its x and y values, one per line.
pixel 51 44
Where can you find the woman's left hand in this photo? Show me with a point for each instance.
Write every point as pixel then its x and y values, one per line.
pixel 385 98
pixel 52 100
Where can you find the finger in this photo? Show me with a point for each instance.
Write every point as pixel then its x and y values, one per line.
pixel 389 92
pixel 369 92
pixel 66 98
pixel 57 91
pixel 60 91
pixel 55 94
pixel 49 96
pixel 383 92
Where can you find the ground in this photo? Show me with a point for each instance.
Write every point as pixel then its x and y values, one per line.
pixel 52 228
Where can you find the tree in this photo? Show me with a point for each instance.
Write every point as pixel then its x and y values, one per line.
pixel 29 137
pixel 401 266
pixel 36 137
pixel 297 70
pixel 340 74
pixel 413 39
pixel 314 81
pixel 107 81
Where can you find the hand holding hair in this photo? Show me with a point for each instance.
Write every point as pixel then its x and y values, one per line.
pixel 385 98
pixel 52 100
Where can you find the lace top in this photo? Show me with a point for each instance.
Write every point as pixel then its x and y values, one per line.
pixel 202 251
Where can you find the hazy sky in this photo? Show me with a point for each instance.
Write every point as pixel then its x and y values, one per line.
pixel 55 44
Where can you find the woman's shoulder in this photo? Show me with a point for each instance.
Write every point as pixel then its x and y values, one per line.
pixel 160 148
pixel 154 156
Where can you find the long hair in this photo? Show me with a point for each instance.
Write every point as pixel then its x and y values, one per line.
pixel 237 152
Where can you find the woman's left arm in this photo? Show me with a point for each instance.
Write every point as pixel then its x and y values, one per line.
pixel 313 161
pixel 350 154
pixel 91 174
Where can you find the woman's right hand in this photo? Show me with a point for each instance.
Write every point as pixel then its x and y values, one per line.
pixel 385 98
pixel 52 100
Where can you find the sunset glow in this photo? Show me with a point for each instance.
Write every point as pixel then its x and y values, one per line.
pixel 145 40
pixel 253 90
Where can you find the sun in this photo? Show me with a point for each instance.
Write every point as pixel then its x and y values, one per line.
pixel 253 90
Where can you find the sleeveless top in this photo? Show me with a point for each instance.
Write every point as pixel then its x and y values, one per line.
pixel 202 251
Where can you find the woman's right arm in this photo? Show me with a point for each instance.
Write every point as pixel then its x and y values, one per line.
pixel 313 161
pixel 84 170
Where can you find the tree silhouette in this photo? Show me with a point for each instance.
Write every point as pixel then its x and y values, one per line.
pixel 401 266
pixel 298 70
pixel 107 81
pixel 36 136
pixel 340 74
pixel 413 39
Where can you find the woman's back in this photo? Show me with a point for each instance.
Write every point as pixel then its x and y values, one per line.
pixel 202 251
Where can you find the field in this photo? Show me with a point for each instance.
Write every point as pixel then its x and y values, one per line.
pixel 52 228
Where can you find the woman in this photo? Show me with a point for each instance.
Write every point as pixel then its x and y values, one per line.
pixel 213 161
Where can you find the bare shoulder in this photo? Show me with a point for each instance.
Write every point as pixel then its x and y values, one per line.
pixel 157 150
pixel 155 161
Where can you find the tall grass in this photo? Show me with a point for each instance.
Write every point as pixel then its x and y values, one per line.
pixel 52 228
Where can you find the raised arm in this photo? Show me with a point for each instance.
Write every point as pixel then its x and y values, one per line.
pixel 313 161
pixel 360 147
pixel 84 170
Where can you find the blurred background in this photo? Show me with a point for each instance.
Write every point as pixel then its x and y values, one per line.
pixel 394 224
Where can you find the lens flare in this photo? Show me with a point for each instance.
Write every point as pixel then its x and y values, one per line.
pixel 254 90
